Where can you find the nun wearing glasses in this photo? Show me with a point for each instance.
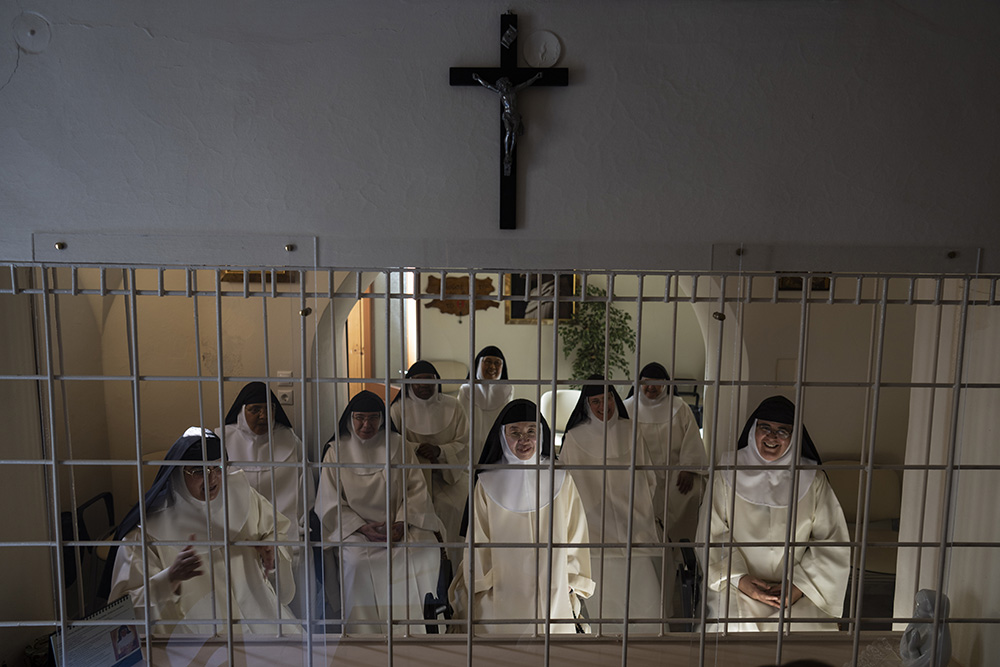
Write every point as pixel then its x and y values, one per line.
pixel 364 503
pixel 188 578
pixel 752 577
pixel 515 503
pixel 258 434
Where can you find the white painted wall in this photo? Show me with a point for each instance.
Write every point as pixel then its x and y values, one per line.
pixel 824 134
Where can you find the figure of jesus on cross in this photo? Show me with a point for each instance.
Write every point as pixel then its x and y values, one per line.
pixel 511 118
pixel 507 81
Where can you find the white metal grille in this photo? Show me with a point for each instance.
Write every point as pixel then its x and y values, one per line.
pixel 904 362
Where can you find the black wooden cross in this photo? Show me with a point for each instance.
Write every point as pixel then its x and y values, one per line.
pixel 506 81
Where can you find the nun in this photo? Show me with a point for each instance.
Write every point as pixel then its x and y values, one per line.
pixel 671 433
pixel 517 503
pixel 354 509
pixel 258 433
pixel 437 430
pixel 754 507
pixel 599 433
pixel 186 516
pixel 484 399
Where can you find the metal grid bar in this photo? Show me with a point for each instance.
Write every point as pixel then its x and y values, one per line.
pixel 950 476
pixel 390 634
pixel 876 394
pixel 694 297
pixel 469 572
pixel 551 468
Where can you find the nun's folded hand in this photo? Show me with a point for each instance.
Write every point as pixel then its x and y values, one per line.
pixel 186 566
pixel 374 532
pixel 397 531
pixel 760 590
pixel 794 596
pixel 429 452
pixel 266 554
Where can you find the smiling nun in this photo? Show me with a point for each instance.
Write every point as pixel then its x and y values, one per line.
pixel 764 489
pixel 516 503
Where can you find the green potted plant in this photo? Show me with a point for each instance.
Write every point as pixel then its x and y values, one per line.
pixel 583 336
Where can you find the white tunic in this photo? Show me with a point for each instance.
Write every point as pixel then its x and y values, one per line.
pixel 242 444
pixel 361 499
pixel 673 438
pixel 608 518
pixel 489 401
pixel 282 484
pixel 820 572
pixel 253 591
pixel 449 489
pixel 510 582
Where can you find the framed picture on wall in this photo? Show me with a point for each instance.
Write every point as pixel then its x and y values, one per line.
pixel 532 295
pixel 794 283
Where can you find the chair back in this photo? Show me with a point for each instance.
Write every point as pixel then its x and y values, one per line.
pixel 95 520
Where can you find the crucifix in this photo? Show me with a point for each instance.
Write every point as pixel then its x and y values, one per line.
pixel 507 81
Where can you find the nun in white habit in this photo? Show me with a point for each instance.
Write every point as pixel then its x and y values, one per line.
pixel 437 430
pixel 484 399
pixel 516 504
pixel 187 579
pixel 351 506
pixel 752 576
pixel 599 433
pixel 256 435
pixel 671 433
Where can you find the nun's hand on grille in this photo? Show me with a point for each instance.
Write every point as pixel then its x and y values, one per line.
pixel 186 566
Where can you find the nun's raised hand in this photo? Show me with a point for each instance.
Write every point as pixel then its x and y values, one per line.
pixel 186 566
